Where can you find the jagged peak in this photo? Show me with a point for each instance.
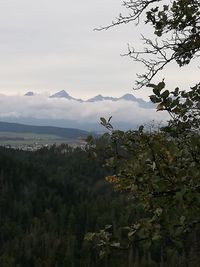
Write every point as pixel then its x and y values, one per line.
pixel 29 93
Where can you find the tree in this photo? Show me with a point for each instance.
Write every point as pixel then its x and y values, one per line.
pixel 176 27
pixel 159 171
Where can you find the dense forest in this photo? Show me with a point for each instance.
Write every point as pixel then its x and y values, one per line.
pixel 49 200
pixel 56 209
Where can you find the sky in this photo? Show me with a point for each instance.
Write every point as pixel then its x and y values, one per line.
pixel 48 45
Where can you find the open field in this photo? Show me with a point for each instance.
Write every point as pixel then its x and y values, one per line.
pixel 32 139
pixel 26 136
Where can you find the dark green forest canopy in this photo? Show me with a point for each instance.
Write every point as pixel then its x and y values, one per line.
pixel 49 200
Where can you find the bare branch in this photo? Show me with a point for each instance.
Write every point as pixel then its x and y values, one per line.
pixel 177 27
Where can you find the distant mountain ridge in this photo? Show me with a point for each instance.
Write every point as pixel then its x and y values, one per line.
pixel 127 97
pixel 101 98
pixel 64 94
pixel 29 93
pixel 70 133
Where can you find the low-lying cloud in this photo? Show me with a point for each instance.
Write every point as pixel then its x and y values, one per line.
pixel 43 108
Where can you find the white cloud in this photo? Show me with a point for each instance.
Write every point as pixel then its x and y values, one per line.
pixel 42 107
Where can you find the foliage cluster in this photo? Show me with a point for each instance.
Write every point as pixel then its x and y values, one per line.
pixel 159 170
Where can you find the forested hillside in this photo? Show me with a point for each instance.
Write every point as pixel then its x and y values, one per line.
pixel 56 209
pixel 49 200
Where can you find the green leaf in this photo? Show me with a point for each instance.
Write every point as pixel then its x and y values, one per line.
pixel 103 121
pixel 165 94
pixel 154 99
pixel 161 85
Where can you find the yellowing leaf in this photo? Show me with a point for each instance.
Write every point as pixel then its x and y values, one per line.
pixel 112 179
pixel 160 107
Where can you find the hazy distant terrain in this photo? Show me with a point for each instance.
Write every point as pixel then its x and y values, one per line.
pixel 58 131
pixel 20 134
pixel 62 110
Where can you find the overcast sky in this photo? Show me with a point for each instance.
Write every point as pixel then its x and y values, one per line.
pixel 48 45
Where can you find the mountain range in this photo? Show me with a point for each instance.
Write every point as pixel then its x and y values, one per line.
pixel 127 97
pixel 63 110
